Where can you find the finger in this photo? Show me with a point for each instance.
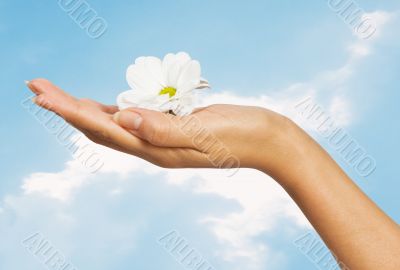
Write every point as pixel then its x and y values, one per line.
pixel 162 129
pixel 83 114
pixel 109 109
pixel 53 98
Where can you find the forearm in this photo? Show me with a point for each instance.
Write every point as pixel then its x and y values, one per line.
pixel 353 227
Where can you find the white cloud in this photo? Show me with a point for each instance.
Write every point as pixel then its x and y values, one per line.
pixel 58 185
pixel 62 185
pixel 359 50
pixel 264 205
pixel 362 47
pixel 380 19
pixel 340 109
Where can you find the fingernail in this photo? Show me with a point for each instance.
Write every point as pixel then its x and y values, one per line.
pixel 129 120
pixel 27 82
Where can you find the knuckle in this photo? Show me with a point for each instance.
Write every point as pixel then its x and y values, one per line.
pixel 41 101
pixel 103 134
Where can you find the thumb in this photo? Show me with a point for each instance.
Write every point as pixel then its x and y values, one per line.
pixel 158 128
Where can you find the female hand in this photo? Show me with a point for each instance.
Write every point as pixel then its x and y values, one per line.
pixel 218 136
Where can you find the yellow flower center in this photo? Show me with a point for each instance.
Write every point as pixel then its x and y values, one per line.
pixel 168 90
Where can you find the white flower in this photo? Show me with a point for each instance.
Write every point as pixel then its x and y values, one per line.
pixel 165 85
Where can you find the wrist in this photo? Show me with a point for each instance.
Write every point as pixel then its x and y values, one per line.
pixel 287 151
pixel 298 161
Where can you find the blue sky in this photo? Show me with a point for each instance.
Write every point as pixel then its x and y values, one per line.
pixel 266 53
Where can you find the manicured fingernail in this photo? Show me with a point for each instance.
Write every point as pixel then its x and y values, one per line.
pixel 129 120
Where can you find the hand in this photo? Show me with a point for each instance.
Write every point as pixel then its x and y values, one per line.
pixel 216 136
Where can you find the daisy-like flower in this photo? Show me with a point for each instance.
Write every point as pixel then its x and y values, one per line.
pixel 164 86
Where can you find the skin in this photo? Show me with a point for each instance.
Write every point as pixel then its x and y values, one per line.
pixel 353 227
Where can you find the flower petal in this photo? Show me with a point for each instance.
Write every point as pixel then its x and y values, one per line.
pixel 162 103
pixel 154 67
pixel 183 109
pixel 140 76
pixel 184 104
pixel 190 77
pixel 172 67
pixel 132 98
